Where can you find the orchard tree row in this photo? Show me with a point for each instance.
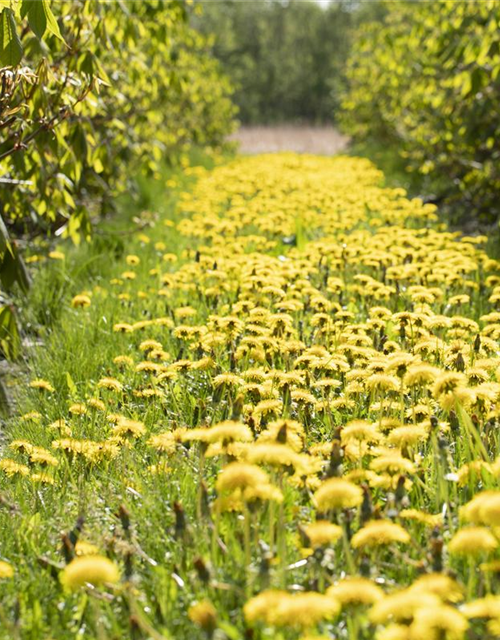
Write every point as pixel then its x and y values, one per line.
pixel 91 94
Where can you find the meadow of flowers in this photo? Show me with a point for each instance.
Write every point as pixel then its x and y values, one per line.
pixel 276 416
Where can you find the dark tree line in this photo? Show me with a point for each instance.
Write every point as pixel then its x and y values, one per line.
pixel 286 60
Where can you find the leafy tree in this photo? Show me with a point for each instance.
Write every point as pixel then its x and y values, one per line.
pixel 285 59
pixel 425 79
pixel 91 95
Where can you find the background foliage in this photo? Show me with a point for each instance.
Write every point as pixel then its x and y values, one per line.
pixel 285 59
pixel 424 79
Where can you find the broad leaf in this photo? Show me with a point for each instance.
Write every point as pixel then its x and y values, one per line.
pixel 10 340
pixel 11 50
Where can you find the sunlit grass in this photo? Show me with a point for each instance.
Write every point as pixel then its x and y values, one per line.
pixel 270 407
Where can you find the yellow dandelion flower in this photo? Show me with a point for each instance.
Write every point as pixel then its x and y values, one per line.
pixel 112 384
pixel 263 492
pixel 487 607
pixel 149 367
pixel 360 431
pixel 123 361
pixel 12 468
pixel 204 615
pixel 402 606
pixel 128 427
pixel 289 432
pixel 150 345
pixel 21 446
pixel 407 436
pixel 276 455
pixel 81 301
pixel 447 383
pixel 91 569
pixel 383 383
pixel 355 590
pixel 379 532
pixel 42 478
pixel 84 548
pixel 39 455
pixel 336 493
pixel 421 375
pixel 321 533
pixel 394 631
pixel 240 475
pixel 281 609
pixel 439 623
pixel 31 416
pixel 392 463
pixel 42 385
pixel 165 442
pixel 122 327
pixel 6 570
pixel 95 403
pixel 484 508
pixel 57 255
pixel 228 379
pixel 472 541
pixel 440 585
pixel 428 519
pixel 78 409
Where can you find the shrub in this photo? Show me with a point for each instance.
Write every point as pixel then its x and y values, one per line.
pixel 425 79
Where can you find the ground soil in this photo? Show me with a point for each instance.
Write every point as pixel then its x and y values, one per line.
pixel 301 139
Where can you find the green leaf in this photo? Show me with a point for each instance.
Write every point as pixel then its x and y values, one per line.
pixel 4 239
pixel 25 7
pixel 11 50
pixel 10 340
pixel 73 391
pixel 40 17
pixel 13 270
pixel 5 407
pixel 52 25
pixel 37 18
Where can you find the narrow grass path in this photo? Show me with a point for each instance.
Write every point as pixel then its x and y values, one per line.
pixel 270 411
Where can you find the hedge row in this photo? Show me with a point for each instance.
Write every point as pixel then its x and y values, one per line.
pixel 426 80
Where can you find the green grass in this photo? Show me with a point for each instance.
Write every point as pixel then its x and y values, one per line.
pixel 163 529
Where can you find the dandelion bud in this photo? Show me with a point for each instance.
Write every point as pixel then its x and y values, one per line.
pixel 202 570
pixel 460 363
pixel 336 455
pixel 135 627
pixel 436 550
pixel 68 548
pixel 237 407
pixel 366 512
pixel 124 516
pixel 265 569
pixel 205 507
pixel 477 343
pixel 75 533
pixel 454 422
pixel 180 521
pixel 365 566
pixel 282 434
pixel 400 490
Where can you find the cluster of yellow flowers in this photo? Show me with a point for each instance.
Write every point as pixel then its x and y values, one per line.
pixel 322 362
